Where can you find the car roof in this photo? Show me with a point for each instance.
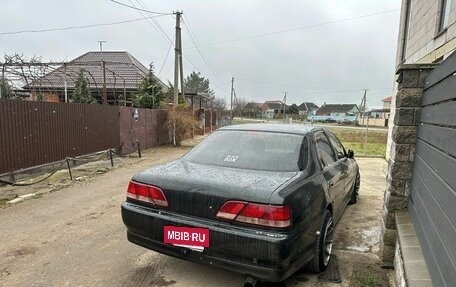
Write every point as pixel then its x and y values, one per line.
pixel 279 128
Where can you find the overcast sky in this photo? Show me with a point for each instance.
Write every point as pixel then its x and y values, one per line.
pixel 329 63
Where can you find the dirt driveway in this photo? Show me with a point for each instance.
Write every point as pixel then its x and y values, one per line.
pixel 75 237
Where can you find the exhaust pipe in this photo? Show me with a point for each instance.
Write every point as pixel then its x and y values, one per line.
pixel 250 281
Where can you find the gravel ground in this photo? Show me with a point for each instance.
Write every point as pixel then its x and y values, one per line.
pixel 75 236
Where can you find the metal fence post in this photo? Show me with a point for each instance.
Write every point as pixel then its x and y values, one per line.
pixel 139 150
pixel 110 156
pixel 69 168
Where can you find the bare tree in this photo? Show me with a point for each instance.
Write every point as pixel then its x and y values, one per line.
pixel 239 105
pixel 219 104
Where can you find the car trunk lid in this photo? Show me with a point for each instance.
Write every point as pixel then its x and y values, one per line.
pixel 200 190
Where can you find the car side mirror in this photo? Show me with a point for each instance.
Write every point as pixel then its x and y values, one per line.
pixel 350 154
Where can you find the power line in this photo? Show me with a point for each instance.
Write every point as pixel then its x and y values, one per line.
pixel 76 27
pixel 155 21
pixel 158 29
pixel 139 9
pixel 167 55
pixel 221 85
pixel 310 89
pixel 157 26
pixel 295 29
pixel 190 34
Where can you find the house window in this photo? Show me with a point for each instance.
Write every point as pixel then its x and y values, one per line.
pixel 444 14
pixel 408 14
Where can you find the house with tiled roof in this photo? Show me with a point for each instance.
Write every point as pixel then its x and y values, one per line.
pixel 119 70
pixel 252 109
pixel 307 108
pixel 271 108
pixel 336 112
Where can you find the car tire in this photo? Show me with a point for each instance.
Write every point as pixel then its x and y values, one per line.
pixel 324 245
pixel 354 196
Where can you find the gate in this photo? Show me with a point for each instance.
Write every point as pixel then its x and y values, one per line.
pixel 432 201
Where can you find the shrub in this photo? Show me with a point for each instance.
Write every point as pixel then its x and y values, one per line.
pixel 81 93
pixel 182 121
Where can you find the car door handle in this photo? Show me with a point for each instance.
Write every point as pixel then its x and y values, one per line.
pixel 331 183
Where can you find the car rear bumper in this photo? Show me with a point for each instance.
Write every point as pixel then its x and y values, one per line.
pixel 266 255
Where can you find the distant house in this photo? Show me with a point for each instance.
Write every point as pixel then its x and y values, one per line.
pixel 122 71
pixel 307 108
pixel 336 112
pixel 252 110
pixel 378 117
pixel 271 108
pixel 387 102
pixel 383 113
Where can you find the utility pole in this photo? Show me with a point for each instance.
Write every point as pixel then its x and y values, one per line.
pixel 177 52
pixel 362 106
pixel 364 118
pixel 366 136
pixel 364 103
pixel 105 95
pixel 284 110
pixel 101 45
pixel 307 112
pixel 2 81
pixel 124 93
pixel 181 66
pixel 212 109
pixel 231 110
pixel 65 82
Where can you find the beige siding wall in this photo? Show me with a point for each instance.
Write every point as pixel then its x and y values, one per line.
pixel 424 39
pixel 424 42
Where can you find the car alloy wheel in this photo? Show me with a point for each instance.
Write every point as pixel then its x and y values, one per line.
pixel 324 245
pixel 328 241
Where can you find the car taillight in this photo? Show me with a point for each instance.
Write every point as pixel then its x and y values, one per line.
pixel 147 193
pixel 259 214
pixel 231 209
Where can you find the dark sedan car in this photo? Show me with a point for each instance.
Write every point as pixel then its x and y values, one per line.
pixel 261 200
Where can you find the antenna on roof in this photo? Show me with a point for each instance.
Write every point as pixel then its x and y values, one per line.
pixel 101 44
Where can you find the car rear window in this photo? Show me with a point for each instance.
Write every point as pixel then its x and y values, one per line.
pixel 252 150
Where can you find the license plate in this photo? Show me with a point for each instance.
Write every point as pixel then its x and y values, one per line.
pixel 189 237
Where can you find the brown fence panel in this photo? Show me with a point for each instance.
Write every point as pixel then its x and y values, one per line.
pixel 146 128
pixel 35 133
pixel 163 132
pixel 208 118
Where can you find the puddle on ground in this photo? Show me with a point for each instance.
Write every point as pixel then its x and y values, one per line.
pixel 369 237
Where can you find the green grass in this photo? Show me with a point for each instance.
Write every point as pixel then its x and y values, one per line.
pixel 3 201
pixel 371 148
pixel 367 280
pixel 354 140
pixel 351 135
